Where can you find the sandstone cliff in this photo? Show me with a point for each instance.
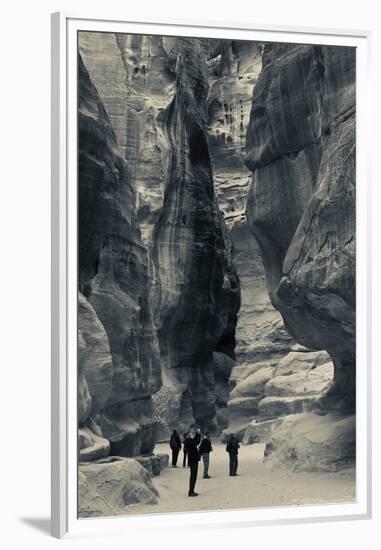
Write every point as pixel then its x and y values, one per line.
pixel 195 290
pixel 172 236
pixel 154 91
pixel 301 205
pixel 123 368
pixel 234 68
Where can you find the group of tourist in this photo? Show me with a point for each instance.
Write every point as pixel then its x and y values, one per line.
pixel 197 447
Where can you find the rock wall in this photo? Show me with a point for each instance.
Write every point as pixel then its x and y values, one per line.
pixel 157 109
pixel 195 290
pixel 165 140
pixel 121 362
pixel 234 68
pixel 301 205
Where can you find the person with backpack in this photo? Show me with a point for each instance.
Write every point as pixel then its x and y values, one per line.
pixel 191 443
pixel 205 449
pixel 232 448
pixel 175 445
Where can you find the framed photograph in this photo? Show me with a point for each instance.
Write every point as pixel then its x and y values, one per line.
pixel 211 274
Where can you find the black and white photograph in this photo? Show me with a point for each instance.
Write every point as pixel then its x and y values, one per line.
pixel 216 274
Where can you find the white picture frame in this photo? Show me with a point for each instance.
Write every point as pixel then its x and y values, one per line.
pixel 64 276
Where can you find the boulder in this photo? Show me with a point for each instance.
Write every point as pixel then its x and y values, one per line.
pixel 113 487
pixel 241 371
pixel 301 383
pixel 91 446
pixel 273 407
pixel 154 463
pixel 254 384
pixel 259 431
pixel 238 431
pixel 312 442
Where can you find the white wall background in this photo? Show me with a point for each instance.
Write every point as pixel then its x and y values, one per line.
pixel 25 269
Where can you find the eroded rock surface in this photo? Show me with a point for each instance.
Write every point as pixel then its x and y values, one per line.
pixel 112 487
pixel 234 68
pixel 301 147
pixel 310 442
pixel 162 156
pixel 113 279
pixel 95 356
pixel 158 111
pixel 263 392
pixel 195 290
pixel 301 208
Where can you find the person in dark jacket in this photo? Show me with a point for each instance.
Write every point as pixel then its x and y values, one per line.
pixel 175 444
pixel 191 443
pixel 205 449
pixel 232 448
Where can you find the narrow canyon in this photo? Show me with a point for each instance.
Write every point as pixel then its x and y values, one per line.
pixel 216 255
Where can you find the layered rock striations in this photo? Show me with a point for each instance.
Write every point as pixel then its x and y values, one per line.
pixel 135 85
pixel 121 363
pixel 195 290
pixel 162 163
pixel 301 205
pixel 234 68
pixel 158 112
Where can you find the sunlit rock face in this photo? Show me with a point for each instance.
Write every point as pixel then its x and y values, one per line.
pixel 135 85
pixel 301 208
pixel 113 281
pixel 234 67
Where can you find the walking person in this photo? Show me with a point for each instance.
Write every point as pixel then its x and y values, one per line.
pixel 205 450
pixel 192 442
pixel 232 448
pixel 175 445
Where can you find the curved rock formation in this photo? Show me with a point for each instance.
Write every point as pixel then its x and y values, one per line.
pixel 301 147
pixel 301 205
pixel 113 278
pixel 167 118
pixel 234 68
pixel 158 111
pixel 195 290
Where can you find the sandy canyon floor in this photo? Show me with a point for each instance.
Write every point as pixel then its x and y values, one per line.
pixel 255 486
